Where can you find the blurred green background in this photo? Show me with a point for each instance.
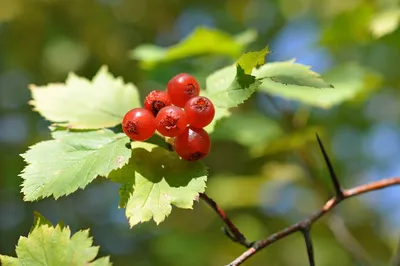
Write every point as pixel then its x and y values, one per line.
pixel 266 169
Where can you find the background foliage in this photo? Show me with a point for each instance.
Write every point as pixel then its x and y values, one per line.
pixel 265 168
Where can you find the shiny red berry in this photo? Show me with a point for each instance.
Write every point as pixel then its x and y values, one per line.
pixel 181 88
pixel 193 144
pixel 199 111
pixel 171 121
pixel 139 124
pixel 156 100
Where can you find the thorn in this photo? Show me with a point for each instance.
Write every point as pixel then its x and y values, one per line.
pixel 335 180
pixel 309 245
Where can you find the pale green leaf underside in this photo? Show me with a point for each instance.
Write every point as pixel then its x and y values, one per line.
pixel 53 246
pixel 83 104
pixel 348 81
pixel 71 161
pixel 159 179
pixel 200 42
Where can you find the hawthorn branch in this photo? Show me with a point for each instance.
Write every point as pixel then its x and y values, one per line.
pixel 328 206
pixel 335 180
pixel 310 250
pixel 230 229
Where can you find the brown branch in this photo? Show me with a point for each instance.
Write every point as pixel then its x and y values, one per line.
pixel 302 225
pixel 230 230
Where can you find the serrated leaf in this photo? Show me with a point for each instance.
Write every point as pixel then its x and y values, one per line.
pixel 291 74
pixel 71 161
pixel 348 81
pixel 200 42
pixel 385 22
pixel 47 245
pixel 232 85
pixel 249 129
pixel 250 60
pixel 83 104
pixel 241 86
pixel 9 261
pixel 39 220
pixel 159 180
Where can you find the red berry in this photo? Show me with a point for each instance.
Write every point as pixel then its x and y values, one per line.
pixel 139 124
pixel 156 100
pixel 193 144
pixel 171 121
pixel 181 88
pixel 199 111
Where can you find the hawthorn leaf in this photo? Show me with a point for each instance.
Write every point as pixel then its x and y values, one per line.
pixel 158 179
pixel 71 161
pixel 48 245
pixel 290 73
pixel 82 104
pixel 232 85
pixel 200 42
pixel 250 60
pixel 288 81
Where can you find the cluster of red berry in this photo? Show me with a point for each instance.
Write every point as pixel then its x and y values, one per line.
pixel 163 112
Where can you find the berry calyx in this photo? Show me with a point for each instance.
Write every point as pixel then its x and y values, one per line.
pixel 193 144
pixel 199 111
pixel 171 121
pixel 139 124
pixel 181 88
pixel 156 100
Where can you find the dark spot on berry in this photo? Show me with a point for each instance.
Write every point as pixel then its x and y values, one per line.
pixel 169 122
pixel 195 156
pixel 131 127
pixel 157 106
pixel 201 105
pixel 190 89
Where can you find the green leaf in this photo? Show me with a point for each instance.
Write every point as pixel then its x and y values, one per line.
pixel 49 246
pixel 158 178
pixel 84 104
pixel 385 22
pixel 200 42
pixel 220 113
pixel 39 220
pixel 289 73
pixel 249 129
pixel 72 160
pixel 347 79
pixel 232 85
pixel 250 60
pixel 241 86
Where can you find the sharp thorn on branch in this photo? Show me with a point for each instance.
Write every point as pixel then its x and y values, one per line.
pixel 335 180
pixel 309 245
